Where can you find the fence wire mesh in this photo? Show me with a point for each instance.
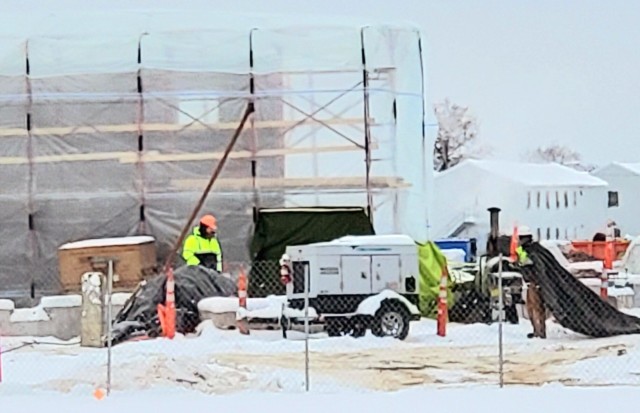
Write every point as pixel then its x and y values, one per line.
pixel 212 352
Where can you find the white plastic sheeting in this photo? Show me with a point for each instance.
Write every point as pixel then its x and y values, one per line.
pixel 112 123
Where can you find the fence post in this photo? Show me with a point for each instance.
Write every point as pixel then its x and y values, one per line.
pixel 306 327
pixel 607 266
pixel 109 323
pixel 500 321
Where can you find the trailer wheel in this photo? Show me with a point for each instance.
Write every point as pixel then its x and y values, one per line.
pixel 391 320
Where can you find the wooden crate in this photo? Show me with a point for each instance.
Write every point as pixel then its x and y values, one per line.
pixel 136 260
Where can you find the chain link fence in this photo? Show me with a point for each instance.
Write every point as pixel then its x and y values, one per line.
pixel 226 348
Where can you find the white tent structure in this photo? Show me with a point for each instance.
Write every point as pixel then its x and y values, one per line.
pixel 112 121
pixel 624 194
pixel 555 201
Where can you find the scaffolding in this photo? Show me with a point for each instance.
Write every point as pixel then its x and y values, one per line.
pixel 109 136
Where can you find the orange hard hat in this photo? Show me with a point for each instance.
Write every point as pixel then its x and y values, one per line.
pixel 210 221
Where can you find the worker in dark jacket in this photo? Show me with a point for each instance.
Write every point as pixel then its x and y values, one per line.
pixel 202 247
pixel 535 304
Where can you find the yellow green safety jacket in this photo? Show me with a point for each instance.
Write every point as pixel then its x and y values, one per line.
pixel 197 244
pixel 522 255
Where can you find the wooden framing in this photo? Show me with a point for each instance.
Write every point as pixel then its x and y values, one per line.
pixel 156 156
pixel 337 182
pixel 169 127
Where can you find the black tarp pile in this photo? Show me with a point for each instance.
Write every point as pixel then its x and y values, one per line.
pixel 139 316
pixel 574 305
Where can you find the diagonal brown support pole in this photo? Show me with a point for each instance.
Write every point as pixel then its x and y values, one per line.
pixel 250 109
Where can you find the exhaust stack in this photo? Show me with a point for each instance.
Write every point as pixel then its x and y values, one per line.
pixel 492 242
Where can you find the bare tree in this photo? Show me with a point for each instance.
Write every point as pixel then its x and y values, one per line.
pixel 457 133
pixel 557 154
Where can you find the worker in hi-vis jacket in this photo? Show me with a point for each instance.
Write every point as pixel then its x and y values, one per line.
pixel 202 247
pixel 535 304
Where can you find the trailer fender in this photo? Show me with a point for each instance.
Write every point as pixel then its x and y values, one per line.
pixel 370 305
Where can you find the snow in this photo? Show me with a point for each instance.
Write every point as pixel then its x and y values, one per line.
pixel 215 365
pixel 61 301
pixel 257 308
pixel 468 399
pixel 29 315
pixel 390 239
pixel 454 254
pixel 108 242
pixel 535 175
pixel 120 298
pixel 7 305
pixel 371 304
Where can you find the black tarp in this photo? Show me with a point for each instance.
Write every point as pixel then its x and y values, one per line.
pixel 277 228
pixel 139 316
pixel 574 305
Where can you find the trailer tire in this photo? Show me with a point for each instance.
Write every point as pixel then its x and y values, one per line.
pixel 391 320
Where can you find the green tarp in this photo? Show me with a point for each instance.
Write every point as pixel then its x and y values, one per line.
pixel 277 228
pixel 432 263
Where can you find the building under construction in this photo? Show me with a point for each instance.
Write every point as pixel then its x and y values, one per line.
pixel 113 129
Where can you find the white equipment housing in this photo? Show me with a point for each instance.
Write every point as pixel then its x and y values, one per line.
pixel 354 265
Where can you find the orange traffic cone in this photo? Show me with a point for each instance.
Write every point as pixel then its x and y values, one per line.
pixel 514 244
pixel 243 326
pixel 167 312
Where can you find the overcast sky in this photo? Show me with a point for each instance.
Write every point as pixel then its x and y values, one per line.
pixel 533 72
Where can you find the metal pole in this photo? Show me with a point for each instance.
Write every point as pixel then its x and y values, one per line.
pixel 367 129
pixel 306 328
pixel 109 323
pixel 500 320
pixel 172 253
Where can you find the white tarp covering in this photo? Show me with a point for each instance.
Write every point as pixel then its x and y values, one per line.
pixel 113 121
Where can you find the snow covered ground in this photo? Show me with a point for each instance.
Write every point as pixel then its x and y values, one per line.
pixel 470 399
pixel 216 362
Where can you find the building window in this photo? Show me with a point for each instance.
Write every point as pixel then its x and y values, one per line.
pixel 566 199
pixel 548 200
pixel 575 198
pixel 538 200
pixel 557 233
pixel 539 234
pixel 566 233
pixel 557 200
pixel 613 199
pixel 548 233
pixel 529 200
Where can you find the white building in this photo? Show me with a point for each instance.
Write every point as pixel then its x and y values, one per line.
pixel 555 201
pixel 624 194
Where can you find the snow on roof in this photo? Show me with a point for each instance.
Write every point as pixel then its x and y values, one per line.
pixel 633 167
pixel 371 240
pixel 108 242
pixel 534 174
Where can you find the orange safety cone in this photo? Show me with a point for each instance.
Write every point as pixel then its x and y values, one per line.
pixel 243 326
pixel 514 244
pixel 443 310
pixel 167 313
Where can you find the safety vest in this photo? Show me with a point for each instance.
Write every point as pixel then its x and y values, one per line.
pixel 197 244
pixel 522 254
